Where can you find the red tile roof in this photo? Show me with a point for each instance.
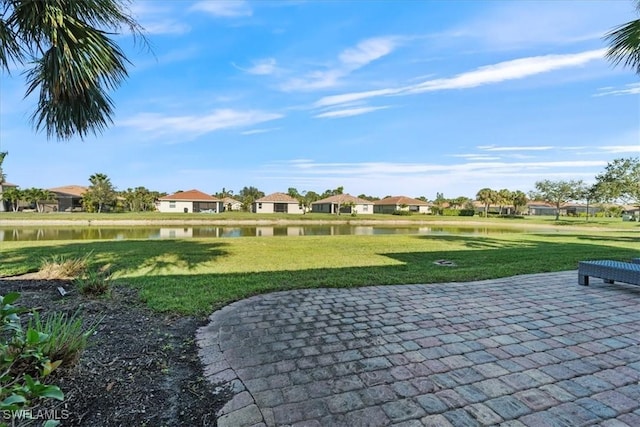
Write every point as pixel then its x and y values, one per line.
pixel 191 196
pixel 278 198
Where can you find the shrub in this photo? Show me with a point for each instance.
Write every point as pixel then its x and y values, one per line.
pixel 28 357
pixel 458 212
pixel 67 336
pixel 94 283
pixel 23 362
pixel 401 213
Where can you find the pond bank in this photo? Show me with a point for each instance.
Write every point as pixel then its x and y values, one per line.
pixel 5 222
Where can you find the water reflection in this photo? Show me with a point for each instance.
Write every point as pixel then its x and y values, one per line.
pixel 146 233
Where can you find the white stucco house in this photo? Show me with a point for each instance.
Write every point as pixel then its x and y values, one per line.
pixel 231 204
pixel 192 201
pixel 277 203
pixel 401 203
pixel 343 203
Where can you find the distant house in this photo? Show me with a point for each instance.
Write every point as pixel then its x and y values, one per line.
pixel 231 204
pixel 5 205
pixel 401 203
pixel 540 208
pixel 576 209
pixel 67 198
pixel 277 203
pixel 342 203
pixel 191 201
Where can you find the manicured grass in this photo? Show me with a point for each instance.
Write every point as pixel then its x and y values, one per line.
pixel 196 276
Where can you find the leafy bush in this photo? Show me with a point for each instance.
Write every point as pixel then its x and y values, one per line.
pixel 67 336
pixel 401 213
pixel 458 212
pixel 94 283
pixel 21 359
pixel 28 357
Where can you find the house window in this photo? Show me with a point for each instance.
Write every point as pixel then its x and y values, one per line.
pixel 172 204
pixel 365 208
pixel 259 205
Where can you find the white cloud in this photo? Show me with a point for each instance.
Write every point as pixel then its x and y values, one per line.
pixel 158 18
pixel 482 168
pixel 224 8
pixel 349 60
pixel 166 26
pixel 367 51
pixel 197 125
pixel 490 74
pixel 351 97
pixel 629 89
pixel 476 157
pixel 635 149
pixel 520 24
pixel 524 148
pixel 313 81
pixel 258 131
pixel 509 70
pixel 262 67
pixel 348 112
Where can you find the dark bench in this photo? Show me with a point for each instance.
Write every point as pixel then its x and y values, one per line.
pixel 609 271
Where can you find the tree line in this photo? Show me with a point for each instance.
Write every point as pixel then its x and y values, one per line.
pixel 620 181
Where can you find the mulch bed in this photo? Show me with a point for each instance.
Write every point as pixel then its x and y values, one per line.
pixel 140 368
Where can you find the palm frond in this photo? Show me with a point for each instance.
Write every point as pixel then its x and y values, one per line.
pixel 624 45
pixel 74 62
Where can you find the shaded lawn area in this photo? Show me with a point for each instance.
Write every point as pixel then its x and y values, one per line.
pixel 196 276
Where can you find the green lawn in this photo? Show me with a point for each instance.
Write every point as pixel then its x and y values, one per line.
pixel 196 276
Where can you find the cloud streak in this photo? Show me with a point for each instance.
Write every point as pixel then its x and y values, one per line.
pixel 348 112
pixel 198 125
pixel 629 89
pixel 349 60
pixel 491 74
pixel 224 8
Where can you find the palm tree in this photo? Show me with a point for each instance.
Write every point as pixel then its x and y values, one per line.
pixel 518 200
pixel 3 154
pixel 503 197
pixel 13 195
pixel 624 44
pixel 486 196
pixel 100 193
pixel 73 61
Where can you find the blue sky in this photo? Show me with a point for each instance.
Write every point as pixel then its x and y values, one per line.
pixel 380 97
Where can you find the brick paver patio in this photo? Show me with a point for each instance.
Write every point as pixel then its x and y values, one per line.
pixel 534 350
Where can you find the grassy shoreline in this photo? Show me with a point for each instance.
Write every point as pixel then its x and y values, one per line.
pixel 198 275
pixel 11 219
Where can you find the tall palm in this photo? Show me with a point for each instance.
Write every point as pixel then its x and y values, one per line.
pixel 624 43
pixel 3 154
pixel 486 196
pixel 73 61
pixel 101 192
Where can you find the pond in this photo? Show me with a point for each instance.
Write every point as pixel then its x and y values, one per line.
pixel 14 234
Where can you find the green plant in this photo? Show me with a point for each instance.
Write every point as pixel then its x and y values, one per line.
pixel 23 361
pixel 94 283
pixel 67 336
pixel 401 213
